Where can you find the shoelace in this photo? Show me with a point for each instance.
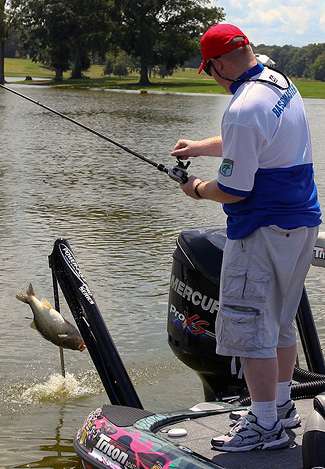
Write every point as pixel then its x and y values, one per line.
pixel 240 426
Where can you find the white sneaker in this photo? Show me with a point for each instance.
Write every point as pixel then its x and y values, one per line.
pixel 246 435
pixel 287 414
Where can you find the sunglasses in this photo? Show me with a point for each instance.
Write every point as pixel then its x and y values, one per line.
pixel 208 66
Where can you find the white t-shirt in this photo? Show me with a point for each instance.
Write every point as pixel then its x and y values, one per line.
pixel 267 156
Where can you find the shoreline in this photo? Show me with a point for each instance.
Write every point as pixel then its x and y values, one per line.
pixel 187 86
pixel 145 92
pixel 142 91
pixel 185 81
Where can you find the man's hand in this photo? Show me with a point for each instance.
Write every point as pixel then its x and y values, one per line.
pixel 189 187
pixel 185 149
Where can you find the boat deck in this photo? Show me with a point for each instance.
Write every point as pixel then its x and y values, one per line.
pixel 201 430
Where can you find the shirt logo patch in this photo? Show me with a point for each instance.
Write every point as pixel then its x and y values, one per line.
pixel 226 167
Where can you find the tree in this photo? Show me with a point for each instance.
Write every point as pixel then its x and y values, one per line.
pixel 3 33
pixel 90 31
pixel 294 61
pixel 162 32
pixel 44 26
pixel 318 67
pixel 118 63
pixel 298 63
pixel 109 66
pixel 120 69
pixel 12 45
pixel 312 51
pixel 59 33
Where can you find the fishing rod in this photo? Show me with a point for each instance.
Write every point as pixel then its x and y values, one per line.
pixel 178 173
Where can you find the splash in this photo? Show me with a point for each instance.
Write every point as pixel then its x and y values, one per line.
pixel 57 388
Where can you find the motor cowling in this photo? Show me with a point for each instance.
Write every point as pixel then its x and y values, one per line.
pixel 193 306
pixel 313 443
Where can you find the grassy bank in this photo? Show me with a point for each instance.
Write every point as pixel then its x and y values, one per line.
pixel 24 67
pixel 183 81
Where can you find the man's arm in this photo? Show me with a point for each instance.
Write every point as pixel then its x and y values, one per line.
pixel 211 146
pixel 208 190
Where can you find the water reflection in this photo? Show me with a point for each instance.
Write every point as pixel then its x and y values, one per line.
pixel 62 451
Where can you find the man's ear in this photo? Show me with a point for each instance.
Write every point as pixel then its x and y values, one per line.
pixel 218 64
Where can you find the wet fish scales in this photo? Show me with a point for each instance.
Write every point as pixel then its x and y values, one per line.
pixel 50 323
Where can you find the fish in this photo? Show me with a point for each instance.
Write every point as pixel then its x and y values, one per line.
pixel 50 323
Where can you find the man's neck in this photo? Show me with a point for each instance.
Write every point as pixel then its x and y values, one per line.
pixel 240 70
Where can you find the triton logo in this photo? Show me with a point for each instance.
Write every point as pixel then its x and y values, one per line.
pixel 105 446
pixel 319 253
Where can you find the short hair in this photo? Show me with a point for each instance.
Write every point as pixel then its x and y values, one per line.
pixel 241 53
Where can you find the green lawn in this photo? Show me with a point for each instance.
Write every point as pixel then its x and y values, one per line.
pixel 23 67
pixel 310 88
pixel 183 81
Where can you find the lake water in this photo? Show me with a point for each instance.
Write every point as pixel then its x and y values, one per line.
pixel 122 218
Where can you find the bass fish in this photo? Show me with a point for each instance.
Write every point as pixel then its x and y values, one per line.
pixel 50 323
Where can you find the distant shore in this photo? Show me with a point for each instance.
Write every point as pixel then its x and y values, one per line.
pixel 182 81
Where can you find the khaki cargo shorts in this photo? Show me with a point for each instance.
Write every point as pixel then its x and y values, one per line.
pixel 262 279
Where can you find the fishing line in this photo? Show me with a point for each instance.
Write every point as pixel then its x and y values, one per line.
pixel 177 173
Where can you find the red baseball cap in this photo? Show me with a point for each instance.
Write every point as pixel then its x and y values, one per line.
pixel 217 40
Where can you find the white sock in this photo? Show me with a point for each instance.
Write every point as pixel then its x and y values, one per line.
pixel 265 412
pixel 283 392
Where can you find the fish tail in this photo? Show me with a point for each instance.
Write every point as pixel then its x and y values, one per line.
pixel 30 290
pixel 25 297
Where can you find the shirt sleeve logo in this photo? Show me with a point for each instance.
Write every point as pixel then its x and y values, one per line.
pixel 226 167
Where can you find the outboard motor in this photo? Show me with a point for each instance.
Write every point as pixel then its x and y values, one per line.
pixel 313 448
pixel 313 443
pixel 192 309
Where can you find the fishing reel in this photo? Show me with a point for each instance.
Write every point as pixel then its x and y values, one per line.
pixel 179 172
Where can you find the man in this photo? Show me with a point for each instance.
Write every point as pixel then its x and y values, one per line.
pixel 266 186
